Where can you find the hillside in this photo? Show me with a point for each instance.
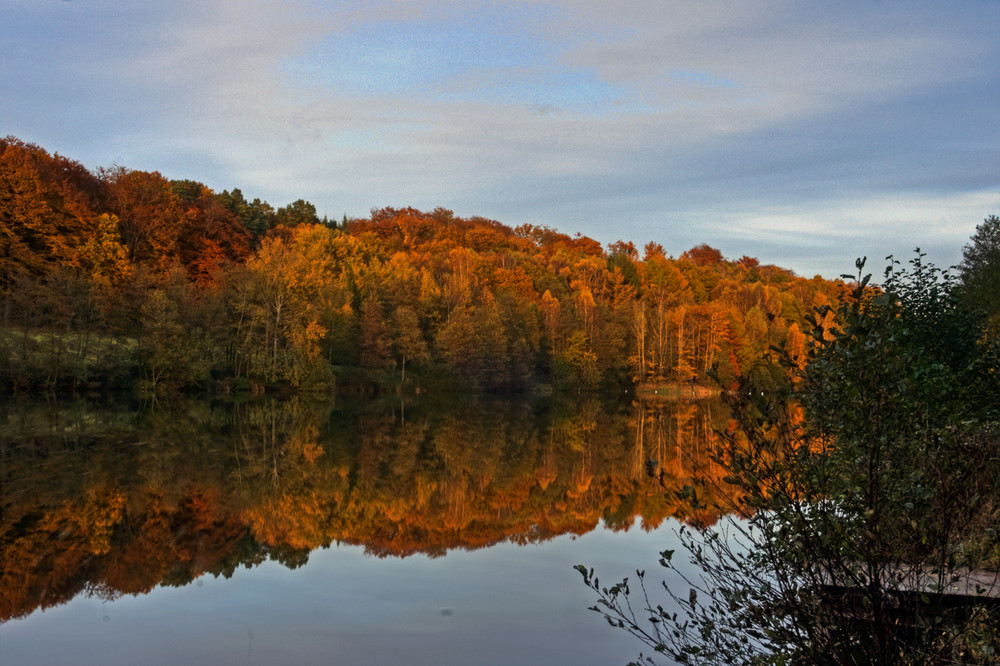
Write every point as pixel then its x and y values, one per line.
pixel 121 278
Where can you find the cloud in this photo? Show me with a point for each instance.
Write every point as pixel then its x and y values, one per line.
pixel 779 125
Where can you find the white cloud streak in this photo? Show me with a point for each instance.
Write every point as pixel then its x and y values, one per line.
pixel 796 125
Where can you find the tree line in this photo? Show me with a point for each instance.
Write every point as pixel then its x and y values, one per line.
pixel 117 277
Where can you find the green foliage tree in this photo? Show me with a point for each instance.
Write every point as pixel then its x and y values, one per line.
pixel 257 216
pixel 296 213
pixel 473 348
pixel 166 352
pixel 576 365
pixel 979 271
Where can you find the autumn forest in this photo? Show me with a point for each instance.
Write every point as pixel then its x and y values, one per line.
pixel 123 279
pixel 196 382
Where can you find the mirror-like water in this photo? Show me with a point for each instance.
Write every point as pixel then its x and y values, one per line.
pixel 290 532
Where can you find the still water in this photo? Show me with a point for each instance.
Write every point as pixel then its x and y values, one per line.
pixel 312 533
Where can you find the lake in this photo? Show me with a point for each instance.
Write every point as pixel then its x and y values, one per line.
pixel 356 532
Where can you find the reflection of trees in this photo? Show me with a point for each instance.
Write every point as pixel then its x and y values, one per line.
pixel 115 500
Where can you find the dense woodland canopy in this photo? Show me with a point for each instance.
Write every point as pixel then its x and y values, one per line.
pixel 117 278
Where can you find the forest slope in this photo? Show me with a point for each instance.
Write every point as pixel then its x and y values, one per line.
pixel 118 278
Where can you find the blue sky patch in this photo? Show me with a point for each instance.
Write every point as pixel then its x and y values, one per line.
pixel 457 61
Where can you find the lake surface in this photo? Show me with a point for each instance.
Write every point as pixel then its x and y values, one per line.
pixel 314 533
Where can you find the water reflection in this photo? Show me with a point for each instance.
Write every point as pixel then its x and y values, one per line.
pixel 117 500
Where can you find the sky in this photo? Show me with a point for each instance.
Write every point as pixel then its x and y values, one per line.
pixel 806 134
